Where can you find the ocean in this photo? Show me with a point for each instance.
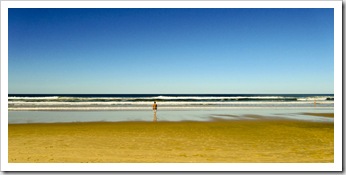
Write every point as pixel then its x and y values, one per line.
pixel 86 102
pixel 38 108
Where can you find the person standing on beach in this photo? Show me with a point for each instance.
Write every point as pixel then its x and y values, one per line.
pixel 155 106
pixel 154 109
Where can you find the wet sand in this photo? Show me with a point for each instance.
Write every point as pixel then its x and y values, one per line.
pixel 217 141
pixel 331 115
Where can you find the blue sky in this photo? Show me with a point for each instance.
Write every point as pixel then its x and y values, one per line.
pixel 169 51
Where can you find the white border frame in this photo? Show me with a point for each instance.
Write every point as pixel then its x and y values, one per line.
pixel 336 166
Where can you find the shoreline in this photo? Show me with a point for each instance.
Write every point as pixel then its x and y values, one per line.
pixel 330 115
pixel 242 141
pixel 320 117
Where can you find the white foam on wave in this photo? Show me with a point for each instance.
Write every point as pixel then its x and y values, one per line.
pixel 62 98
pixel 148 109
pixel 317 98
pixel 33 98
pixel 163 103
pixel 76 103
pixel 320 98
pixel 218 98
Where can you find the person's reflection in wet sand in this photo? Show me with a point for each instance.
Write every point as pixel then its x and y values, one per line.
pixel 155 116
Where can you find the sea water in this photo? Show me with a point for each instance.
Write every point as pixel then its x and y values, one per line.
pixel 49 108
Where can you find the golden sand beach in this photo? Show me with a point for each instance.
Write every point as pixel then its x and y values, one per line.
pixel 216 141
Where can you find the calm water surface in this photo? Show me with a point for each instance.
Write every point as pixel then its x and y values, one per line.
pixel 168 115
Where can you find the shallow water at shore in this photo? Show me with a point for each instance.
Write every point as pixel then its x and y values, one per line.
pixel 170 115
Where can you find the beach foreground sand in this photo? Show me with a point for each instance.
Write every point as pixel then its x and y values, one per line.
pixel 217 141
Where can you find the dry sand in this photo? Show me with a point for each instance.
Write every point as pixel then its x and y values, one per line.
pixel 217 141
